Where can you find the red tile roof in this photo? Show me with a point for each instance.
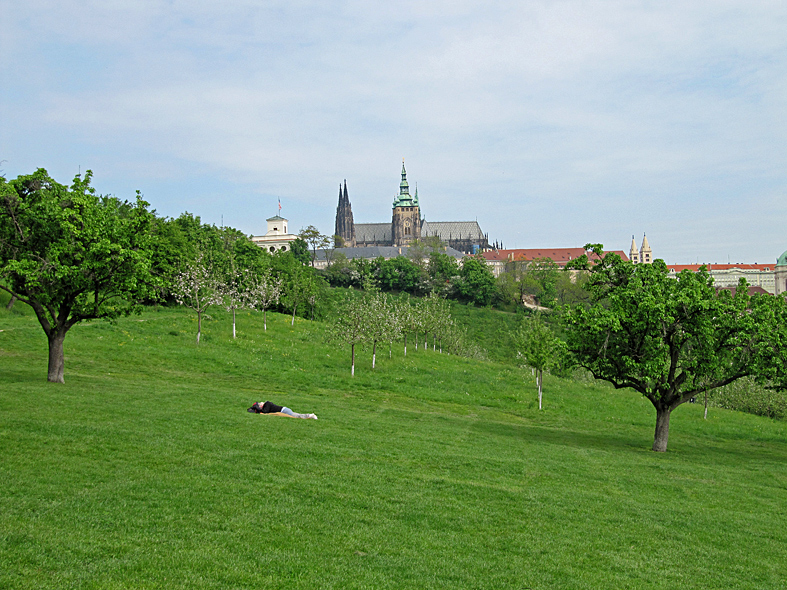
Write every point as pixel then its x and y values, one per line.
pixel 558 255
pixel 709 266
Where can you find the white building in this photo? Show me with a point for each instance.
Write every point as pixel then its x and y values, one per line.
pixel 728 275
pixel 278 238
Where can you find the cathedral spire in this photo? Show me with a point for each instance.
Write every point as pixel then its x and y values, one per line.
pixel 404 188
pixel 345 225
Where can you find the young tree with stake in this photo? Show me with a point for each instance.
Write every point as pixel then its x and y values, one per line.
pixel 538 347
pixel 197 287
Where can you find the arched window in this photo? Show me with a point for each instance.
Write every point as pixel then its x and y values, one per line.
pixel 284 248
pixel 273 248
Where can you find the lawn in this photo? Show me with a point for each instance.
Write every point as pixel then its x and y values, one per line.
pixel 145 470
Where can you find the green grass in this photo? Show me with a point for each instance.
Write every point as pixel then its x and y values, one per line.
pixel 145 471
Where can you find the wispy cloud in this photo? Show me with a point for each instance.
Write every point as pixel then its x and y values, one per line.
pixel 553 123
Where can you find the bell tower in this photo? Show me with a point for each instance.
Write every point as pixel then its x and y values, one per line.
pixel 633 252
pixel 406 218
pixel 646 254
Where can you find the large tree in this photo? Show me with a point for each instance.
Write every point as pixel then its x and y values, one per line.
pixel 672 339
pixel 71 254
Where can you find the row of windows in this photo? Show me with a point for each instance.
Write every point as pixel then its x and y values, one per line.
pixel 283 248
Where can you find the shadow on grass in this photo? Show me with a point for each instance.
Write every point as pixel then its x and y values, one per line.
pixel 562 437
pixel 715 450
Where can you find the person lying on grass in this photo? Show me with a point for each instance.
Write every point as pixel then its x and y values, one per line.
pixel 271 408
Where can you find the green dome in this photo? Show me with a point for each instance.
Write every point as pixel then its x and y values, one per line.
pixel 782 260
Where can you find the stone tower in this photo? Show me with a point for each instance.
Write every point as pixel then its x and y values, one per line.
pixel 345 227
pixel 633 252
pixel 406 219
pixel 645 253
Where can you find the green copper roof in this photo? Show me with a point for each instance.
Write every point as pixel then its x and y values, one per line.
pixel 782 260
pixel 404 199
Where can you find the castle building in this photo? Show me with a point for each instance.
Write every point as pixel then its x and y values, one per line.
pixel 407 225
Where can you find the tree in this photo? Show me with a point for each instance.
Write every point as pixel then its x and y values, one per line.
pixel 400 274
pixel 380 323
pixel 420 250
pixel 312 236
pixel 72 255
pixel 262 291
pixel 300 250
pixel 671 339
pixel 197 287
pixel 477 282
pixel 349 326
pixel 538 347
pixel 232 292
pixel 442 269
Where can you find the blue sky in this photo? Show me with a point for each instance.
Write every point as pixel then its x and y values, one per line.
pixel 551 123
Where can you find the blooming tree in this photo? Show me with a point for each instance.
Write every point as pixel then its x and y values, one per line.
pixel 262 292
pixel 197 287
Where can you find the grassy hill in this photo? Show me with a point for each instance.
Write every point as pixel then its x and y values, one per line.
pixel 145 471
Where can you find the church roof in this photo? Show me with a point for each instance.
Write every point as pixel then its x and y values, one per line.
pixel 386 252
pixel 782 260
pixel 373 232
pixel 453 230
pixel 560 256
pixel 276 218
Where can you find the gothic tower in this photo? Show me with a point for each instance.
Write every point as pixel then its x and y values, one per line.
pixel 646 254
pixel 406 219
pixel 345 226
pixel 633 252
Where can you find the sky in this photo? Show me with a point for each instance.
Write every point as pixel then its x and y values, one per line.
pixel 553 124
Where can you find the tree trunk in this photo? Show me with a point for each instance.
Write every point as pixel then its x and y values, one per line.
pixel 11 302
pixel 233 323
pixel 56 357
pixel 352 370
pixel 539 380
pixel 662 429
pixel 390 349
pixel 293 314
pixel 426 341
pixel 374 352
pixel 265 319
pixel 706 404
pixel 405 344
pixel 199 325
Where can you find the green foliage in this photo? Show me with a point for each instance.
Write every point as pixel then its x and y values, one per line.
pixel 400 274
pixel 747 395
pixel 536 345
pixel 71 254
pixel 300 249
pixel 476 282
pixel 673 339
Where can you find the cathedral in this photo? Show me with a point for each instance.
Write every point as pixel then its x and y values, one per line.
pixel 406 226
